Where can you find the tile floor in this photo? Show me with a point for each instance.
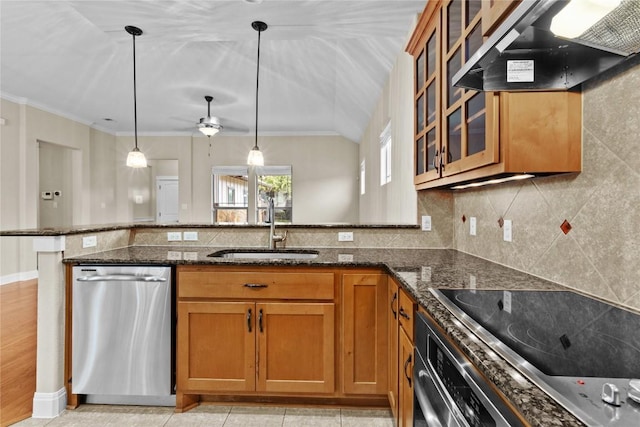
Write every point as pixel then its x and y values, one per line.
pixel 215 416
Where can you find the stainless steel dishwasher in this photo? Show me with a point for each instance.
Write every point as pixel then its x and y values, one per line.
pixel 121 337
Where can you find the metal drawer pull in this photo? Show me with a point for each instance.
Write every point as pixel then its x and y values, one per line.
pixel 406 364
pixel 255 285
pixel 249 320
pixel 404 314
pixel 260 320
pixel 395 297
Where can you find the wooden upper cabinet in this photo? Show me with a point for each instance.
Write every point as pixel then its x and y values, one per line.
pixel 427 102
pixel 493 12
pixel 463 135
pixel 468 122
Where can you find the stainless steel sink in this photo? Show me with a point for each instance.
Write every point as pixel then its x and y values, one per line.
pixel 265 254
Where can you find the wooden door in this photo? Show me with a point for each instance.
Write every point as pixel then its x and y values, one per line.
pixel 364 333
pixel 295 347
pixel 392 315
pixel 405 367
pixel 216 346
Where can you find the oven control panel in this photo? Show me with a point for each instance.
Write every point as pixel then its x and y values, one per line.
pixel 458 389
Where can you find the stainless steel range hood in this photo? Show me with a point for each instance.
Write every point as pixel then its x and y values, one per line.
pixel 523 54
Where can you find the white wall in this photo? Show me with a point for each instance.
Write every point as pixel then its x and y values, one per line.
pixel 396 201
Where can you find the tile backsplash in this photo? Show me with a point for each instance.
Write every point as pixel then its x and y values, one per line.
pixel 600 255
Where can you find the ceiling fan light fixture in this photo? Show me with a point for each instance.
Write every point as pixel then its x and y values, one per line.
pixel 209 126
pixel 135 158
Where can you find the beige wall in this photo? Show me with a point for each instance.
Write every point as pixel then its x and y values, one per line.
pixel 396 201
pixel 601 253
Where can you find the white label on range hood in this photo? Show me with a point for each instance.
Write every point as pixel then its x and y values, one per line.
pixel 520 71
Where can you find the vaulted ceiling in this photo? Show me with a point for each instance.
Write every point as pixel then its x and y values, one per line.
pixel 323 63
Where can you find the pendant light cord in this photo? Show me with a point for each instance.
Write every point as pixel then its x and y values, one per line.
pixel 135 101
pixel 257 85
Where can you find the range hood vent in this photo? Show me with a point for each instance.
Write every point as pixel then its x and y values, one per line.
pixel 523 54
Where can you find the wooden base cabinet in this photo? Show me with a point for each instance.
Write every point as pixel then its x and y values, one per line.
pixel 364 333
pixel 222 343
pixel 392 315
pixel 405 389
pixel 254 332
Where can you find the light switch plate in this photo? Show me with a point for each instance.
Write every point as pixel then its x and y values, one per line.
pixel 174 236
pixel 507 301
pixel 345 236
pixel 426 222
pixel 89 241
pixel 190 236
pixel 472 226
pixel 190 256
pixel 507 230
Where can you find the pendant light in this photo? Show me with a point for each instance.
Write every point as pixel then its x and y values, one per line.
pixel 135 158
pixel 209 126
pixel 255 155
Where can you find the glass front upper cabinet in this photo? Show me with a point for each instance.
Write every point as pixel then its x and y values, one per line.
pixel 427 104
pixel 465 144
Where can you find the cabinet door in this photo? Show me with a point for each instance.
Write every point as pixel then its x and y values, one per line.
pixel 392 315
pixel 427 104
pixel 405 368
pixel 364 333
pixel 469 118
pixel 216 346
pixel 295 347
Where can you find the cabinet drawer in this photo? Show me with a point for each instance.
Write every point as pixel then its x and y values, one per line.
pixel 255 284
pixel 406 312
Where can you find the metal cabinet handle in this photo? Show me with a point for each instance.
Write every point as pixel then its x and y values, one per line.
pixel 406 365
pixel 249 320
pixel 395 297
pixel 404 314
pixel 260 320
pixel 255 285
pixel 435 161
pixel 121 278
pixel 444 151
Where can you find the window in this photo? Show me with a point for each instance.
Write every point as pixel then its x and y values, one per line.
pixel 274 181
pixel 362 176
pixel 385 155
pixel 230 186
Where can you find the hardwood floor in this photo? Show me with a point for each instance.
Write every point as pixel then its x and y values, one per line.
pixel 18 318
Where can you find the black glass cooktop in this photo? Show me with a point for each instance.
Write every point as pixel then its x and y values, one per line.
pixel 561 333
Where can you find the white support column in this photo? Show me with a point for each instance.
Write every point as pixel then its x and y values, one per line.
pixel 50 398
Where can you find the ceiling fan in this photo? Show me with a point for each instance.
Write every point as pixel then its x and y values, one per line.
pixel 209 125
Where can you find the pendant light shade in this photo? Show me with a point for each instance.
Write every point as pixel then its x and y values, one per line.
pixel 209 126
pixel 255 155
pixel 135 158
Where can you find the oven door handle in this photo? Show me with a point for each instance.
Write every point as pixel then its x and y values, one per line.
pixel 430 414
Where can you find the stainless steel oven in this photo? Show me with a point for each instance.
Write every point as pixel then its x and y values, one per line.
pixel 448 390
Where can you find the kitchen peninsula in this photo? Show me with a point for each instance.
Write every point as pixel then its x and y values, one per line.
pixel 381 249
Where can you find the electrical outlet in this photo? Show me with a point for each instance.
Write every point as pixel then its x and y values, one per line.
pixel 345 236
pixel 174 236
pixel 426 222
pixel 190 236
pixel 425 274
pixel 507 230
pixel 472 226
pixel 174 255
pixel 89 241
pixel 190 256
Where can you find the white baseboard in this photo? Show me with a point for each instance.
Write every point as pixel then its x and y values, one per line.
pixel 23 276
pixel 49 405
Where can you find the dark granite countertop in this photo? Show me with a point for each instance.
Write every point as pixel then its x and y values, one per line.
pixel 96 228
pixel 416 270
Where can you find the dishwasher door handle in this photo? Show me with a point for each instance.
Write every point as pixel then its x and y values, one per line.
pixel 121 278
